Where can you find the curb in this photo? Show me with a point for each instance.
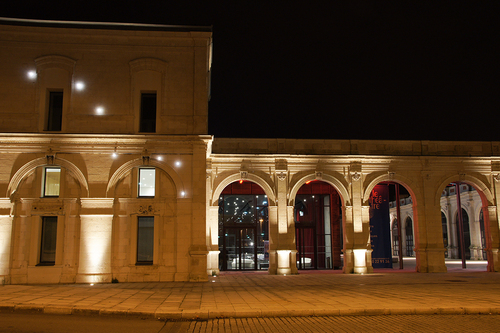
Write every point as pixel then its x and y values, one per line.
pixel 206 314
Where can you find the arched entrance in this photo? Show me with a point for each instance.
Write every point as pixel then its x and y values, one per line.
pixel 243 227
pixel 463 226
pixel 318 226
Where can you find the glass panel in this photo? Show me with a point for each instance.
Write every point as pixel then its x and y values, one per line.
pixel 145 239
pixel 52 181
pixel 247 249
pixel 48 244
pixel 232 253
pixel 147 182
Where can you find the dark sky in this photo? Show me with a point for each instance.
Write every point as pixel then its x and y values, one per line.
pixel 360 70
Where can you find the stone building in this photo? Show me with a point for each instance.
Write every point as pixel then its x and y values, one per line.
pixel 108 171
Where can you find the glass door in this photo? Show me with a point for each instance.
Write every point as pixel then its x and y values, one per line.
pixel 239 249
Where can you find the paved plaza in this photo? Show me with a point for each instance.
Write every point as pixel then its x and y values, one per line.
pixel 258 294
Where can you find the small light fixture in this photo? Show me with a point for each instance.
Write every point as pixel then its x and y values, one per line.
pixel 32 75
pixel 160 158
pixel 114 154
pixel 79 85
pixel 99 110
pixel 178 163
pixel 91 284
pixel 183 194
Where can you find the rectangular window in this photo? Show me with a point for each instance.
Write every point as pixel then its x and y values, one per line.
pixel 54 119
pixel 147 179
pixel 145 240
pixel 48 243
pixel 148 113
pixel 52 179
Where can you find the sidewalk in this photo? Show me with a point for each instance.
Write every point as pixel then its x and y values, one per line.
pixel 257 294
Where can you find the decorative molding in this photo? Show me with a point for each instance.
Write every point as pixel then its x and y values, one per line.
pixel 318 175
pixel 355 176
pixel 146 210
pixel 243 174
pixel 47 207
pixel 281 175
pixel 145 160
pixel 391 175
pixel 50 159
pixel 461 176
pixel 496 177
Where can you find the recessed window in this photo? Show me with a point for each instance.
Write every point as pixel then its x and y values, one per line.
pixel 145 240
pixel 54 118
pixel 148 113
pixel 48 241
pixel 52 181
pixel 147 179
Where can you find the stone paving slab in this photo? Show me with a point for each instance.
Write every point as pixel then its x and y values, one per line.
pixel 257 294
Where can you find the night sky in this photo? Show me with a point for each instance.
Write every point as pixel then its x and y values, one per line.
pixel 402 70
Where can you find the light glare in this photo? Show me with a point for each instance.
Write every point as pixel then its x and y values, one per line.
pixel 79 85
pixel 32 75
pixel 99 110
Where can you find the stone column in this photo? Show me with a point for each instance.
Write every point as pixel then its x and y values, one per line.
pixel 213 239
pixel 491 221
pixel 361 224
pixel 6 220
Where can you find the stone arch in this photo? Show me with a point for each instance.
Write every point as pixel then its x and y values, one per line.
pixel 249 177
pixel 479 185
pixel 404 181
pixel 327 178
pixel 123 170
pixel 29 167
pixel 55 61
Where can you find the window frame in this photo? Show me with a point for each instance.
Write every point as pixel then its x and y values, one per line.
pixel 139 195
pixel 41 259
pixel 145 103
pixel 44 182
pixel 54 116
pixel 151 247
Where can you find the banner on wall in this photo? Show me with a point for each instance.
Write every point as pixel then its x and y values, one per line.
pixel 380 227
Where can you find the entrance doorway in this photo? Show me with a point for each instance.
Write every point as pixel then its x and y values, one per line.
pixel 243 228
pixel 318 227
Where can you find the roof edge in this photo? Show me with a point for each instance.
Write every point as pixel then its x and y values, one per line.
pixel 101 25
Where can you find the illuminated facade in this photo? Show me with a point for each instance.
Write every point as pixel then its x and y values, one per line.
pixel 108 171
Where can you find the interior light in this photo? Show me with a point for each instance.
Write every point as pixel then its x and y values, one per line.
pixel 99 110
pixel 79 85
pixel 308 182
pixel 241 181
pixel 32 75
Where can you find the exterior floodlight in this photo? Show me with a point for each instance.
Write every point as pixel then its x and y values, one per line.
pixel 79 86
pixel 178 163
pixel 99 110
pixel 32 75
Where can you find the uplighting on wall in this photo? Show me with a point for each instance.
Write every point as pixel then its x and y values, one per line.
pixel 178 163
pixel 159 158
pixel 183 194
pixel 79 85
pixel 114 154
pixel 31 75
pixel 99 110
